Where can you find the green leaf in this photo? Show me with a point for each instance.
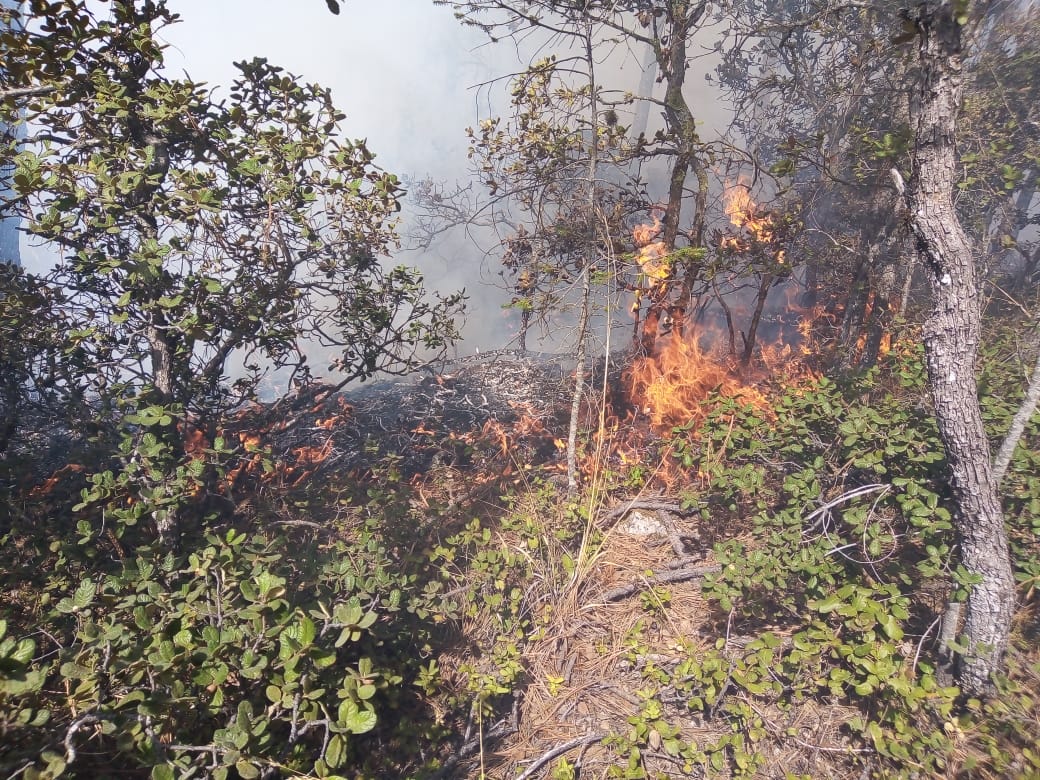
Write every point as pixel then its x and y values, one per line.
pixel 828 604
pixel 891 627
pixel 163 772
pixel 304 632
pixel 73 671
pixel 247 770
pixel 84 594
pixel 24 652
pixel 167 650
pixel 361 722
pixel 345 635
pixel 336 754
pixel 366 692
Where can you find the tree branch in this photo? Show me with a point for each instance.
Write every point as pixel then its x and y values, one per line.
pixel 17 92
pixel 1018 425
pixel 664 578
pixel 559 750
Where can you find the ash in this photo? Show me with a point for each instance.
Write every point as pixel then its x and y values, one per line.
pixel 446 414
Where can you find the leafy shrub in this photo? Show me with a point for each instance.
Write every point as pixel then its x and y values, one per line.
pixel 235 656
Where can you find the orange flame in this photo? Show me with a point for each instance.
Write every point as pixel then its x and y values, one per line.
pixel 645 234
pixel 653 255
pixel 743 213
pixel 670 387
pixel 746 216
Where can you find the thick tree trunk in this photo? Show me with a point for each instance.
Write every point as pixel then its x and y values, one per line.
pixel 951 343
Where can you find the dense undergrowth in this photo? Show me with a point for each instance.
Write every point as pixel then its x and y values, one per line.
pixel 348 629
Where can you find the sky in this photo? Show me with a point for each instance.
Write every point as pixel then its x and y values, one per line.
pixel 400 69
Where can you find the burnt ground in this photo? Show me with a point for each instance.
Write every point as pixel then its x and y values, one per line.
pixel 452 414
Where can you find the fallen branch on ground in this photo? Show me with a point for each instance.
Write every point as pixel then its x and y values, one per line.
pixel 664 578
pixel 660 504
pixel 559 750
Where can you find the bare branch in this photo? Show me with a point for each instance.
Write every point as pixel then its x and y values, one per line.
pixel 17 92
pixel 664 578
pixel 559 750
pixel 1018 425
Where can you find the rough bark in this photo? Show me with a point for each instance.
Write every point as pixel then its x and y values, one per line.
pixel 671 54
pixel 951 339
pixel 167 520
pixel 679 119
pixel 751 336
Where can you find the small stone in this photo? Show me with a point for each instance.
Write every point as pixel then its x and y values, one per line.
pixel 638 523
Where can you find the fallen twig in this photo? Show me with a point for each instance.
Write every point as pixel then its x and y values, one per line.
pixel 676 575
pixel 70 734
pixel 559 750
pixel 649 504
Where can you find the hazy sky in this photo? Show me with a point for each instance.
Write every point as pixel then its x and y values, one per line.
pixel 401 69
pixel 403 72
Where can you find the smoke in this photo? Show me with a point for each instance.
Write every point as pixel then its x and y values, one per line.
pixel 406 74
pixel 402 72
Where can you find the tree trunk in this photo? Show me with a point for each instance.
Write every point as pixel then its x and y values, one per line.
pixel 590 259
pixel 683 17
pixel 951 339
pixel 751 336
pixel 167 520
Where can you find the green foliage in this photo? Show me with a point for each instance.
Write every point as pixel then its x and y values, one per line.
pixel 829 582
pixel 199 231
pixel 235 657
pixel 39 359
pixel 21 710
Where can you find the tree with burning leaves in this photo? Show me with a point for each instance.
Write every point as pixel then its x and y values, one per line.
pixel 200 237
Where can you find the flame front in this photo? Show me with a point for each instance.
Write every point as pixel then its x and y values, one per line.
pixel 670 387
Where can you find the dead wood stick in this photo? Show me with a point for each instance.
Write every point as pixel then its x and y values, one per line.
pixel 1018 425
pixel 301 524
pixel 650 505
pixel 501 729
pixel 559 750
pixel 682 563
pixel 678 575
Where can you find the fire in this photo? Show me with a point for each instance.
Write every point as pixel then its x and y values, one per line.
pixel 744 214
pixel 670 387
pixel 750 219
pixel 644 234
pixel 652 255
